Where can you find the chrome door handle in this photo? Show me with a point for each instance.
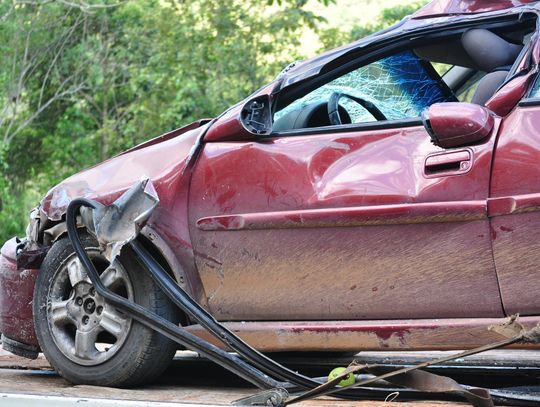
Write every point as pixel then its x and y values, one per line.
pixel 450 163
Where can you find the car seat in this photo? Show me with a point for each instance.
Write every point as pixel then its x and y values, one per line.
pixel 491 54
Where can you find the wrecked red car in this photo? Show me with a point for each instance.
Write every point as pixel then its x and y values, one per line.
pixel 383 195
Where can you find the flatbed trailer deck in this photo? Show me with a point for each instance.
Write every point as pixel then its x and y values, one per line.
pixel 194 381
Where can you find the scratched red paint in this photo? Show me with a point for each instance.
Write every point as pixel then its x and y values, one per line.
pixel 345 228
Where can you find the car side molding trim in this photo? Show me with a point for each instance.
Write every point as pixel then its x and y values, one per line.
pixel 510 205
pixel 426 212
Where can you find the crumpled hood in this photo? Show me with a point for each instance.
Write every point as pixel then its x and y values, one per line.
pixel 163 160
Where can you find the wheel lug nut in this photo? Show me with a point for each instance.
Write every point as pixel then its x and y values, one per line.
pixel 85 320
pixel 89 305
pixel 79 301
pixel 99 310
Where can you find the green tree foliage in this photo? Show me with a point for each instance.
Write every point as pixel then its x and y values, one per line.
pixel 82 80
pixel 334 37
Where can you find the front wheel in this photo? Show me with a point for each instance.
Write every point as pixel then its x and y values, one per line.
pixel 84 338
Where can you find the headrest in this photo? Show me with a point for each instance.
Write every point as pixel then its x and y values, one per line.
pixel 488 50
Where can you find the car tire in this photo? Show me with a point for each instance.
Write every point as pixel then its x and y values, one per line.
pixel 69 316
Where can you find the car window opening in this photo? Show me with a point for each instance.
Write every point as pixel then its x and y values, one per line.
pixel 470 68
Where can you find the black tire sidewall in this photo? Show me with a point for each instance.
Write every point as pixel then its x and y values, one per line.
pixel 129 365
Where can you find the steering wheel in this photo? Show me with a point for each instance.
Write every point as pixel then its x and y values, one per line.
pixel 333 107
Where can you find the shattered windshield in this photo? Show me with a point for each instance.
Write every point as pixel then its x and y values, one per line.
pixel 401 86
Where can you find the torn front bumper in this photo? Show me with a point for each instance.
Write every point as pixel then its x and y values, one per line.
pixel 16 293
pixel 20 261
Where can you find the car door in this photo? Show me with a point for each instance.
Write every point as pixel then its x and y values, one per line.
pixel 514 204
pixel 367 220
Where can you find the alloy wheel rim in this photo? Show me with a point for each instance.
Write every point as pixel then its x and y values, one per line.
pixel 84 327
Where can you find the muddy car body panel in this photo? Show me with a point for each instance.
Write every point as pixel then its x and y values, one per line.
pixel 290 180
pixel 318 234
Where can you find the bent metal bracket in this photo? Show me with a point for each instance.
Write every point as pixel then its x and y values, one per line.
pixel 119 224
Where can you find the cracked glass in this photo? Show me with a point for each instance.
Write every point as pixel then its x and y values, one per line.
pixel 401 86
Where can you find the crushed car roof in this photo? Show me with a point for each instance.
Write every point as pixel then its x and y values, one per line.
pixel 437 10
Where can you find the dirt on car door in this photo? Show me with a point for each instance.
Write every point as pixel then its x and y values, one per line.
pixel 344 225
pixel 514 208
pixel 514 203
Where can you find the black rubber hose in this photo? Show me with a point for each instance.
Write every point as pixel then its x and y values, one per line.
pixel 231 362
pixel 155 322
pixel 184 301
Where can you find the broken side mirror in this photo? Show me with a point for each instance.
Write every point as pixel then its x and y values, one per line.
pixel 243 122
pixel 455 124
pixel 256 116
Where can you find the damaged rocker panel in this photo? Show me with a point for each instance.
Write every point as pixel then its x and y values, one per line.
pixel 349 336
